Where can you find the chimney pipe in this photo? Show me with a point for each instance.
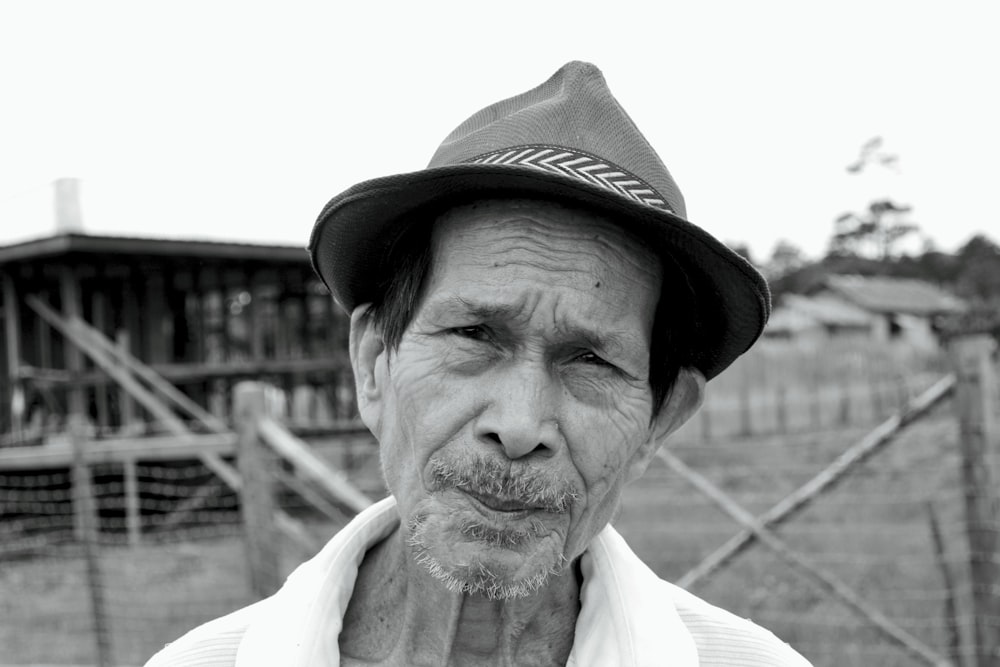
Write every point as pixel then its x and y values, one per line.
pixel 68 216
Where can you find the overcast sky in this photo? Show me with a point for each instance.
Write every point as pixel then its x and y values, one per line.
pixel 239 120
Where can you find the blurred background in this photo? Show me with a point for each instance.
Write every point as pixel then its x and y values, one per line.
pixel 164 348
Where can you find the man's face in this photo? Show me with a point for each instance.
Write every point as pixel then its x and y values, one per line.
pixel 518 404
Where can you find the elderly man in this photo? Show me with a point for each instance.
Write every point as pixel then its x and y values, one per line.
pixel 531 316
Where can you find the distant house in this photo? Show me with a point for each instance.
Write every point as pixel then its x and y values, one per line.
pixel 816 319
pixel 878 308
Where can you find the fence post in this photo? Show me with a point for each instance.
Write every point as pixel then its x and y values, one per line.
pixel 782 410
pixel 746 424
pixel 845 404
pixel 12 332
pixel 133 510
pixel 816 407
pixel 975 403
pixel 257 493
pixel 126 416
pixel 902 391
pixel 86 512
pixel 952 636
pixel 706 423
pixel 874 387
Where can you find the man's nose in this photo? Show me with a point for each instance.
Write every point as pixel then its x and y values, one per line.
pixel 521 415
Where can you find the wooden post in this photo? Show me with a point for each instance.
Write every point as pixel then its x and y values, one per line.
pixel 99 307
pixel 746 425
pixel 156 316
pixel 782 409
pixel 70 297
pixel 256 319
pixel 975 403
pixel 747 381
pixel 225 319
pixel 127 416
pixel 129 337
pixel 306 348
pixel 876 394
pixel 706 423
pixel 952 637
pixel 816 406
pixel 331 325
pixel 902 390
pixel 85 510
pixel 43 335
pixel 281 334
pixel 257 493
pixel 196 312
pixel 12 333
pixel 133 516
pixel 845 404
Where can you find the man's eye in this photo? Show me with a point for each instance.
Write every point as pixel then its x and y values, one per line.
pixel 474 332
pixel 591 358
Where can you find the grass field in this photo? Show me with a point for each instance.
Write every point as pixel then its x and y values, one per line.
pixel 872 531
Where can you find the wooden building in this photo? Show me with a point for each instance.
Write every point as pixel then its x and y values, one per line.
pixel 202 314
pixel 903 312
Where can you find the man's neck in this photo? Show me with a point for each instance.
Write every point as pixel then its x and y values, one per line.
pixel 400 615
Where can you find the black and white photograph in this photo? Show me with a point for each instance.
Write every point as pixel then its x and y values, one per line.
pixel 499 334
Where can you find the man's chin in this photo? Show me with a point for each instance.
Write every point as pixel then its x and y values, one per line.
pixel 473 556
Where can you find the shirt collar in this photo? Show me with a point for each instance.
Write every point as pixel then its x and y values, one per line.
pixel 626 617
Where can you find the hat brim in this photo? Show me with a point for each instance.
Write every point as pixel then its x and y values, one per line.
pixel 357 227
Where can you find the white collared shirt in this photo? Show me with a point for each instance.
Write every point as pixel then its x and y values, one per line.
pixel 629 617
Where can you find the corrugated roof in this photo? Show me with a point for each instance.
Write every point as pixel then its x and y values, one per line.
pixel 882 294
pixel 797 313
pixel 60 244
pixel 786 320
pixel 829 310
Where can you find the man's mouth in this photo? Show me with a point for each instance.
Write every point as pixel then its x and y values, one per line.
pixel 497 504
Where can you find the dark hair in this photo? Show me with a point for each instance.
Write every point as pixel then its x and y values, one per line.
pixel 409 262
pixel 406 267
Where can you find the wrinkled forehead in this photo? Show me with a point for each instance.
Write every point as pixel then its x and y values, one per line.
pixel 571 239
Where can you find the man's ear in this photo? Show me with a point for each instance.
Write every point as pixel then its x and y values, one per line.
pixel 684 400
pixel 366 349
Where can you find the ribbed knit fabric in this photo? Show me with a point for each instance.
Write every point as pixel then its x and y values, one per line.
pixel 212 644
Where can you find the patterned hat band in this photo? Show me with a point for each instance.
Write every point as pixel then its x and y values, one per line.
pixel 581 166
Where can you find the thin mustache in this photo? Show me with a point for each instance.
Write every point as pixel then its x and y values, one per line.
pixel 505 481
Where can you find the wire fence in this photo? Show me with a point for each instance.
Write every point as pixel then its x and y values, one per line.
pixel 783 389
pixel 153 587
pixel 875 532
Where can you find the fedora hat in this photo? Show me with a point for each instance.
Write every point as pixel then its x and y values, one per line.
pixel 570 141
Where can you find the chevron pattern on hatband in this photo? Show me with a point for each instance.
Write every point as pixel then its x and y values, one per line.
pixel 580 166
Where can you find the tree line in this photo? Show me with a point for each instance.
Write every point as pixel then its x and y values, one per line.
pixel 972 272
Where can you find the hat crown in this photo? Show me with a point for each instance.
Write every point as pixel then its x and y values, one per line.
pixel 573 110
